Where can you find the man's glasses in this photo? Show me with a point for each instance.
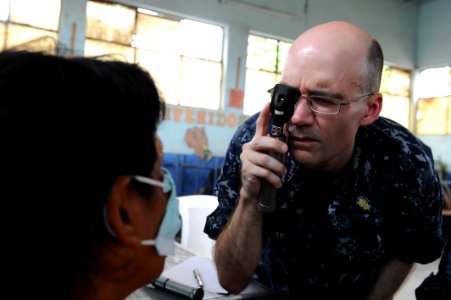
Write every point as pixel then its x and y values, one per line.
pixel 327 105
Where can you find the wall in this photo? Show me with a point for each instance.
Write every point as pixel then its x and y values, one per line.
pixel 434 34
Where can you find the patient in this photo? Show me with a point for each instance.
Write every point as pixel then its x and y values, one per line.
pixel 88 213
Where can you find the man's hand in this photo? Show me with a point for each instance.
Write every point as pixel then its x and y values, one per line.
pixel 238 247
pixel 256 164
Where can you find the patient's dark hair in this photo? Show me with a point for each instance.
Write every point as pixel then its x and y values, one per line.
pixel 68 128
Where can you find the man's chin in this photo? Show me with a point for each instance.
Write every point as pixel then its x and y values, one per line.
pixel 304 158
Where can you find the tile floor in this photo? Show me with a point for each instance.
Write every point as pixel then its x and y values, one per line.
pixel 414 279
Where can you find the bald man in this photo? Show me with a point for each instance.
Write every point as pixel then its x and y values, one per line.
pixel 358 200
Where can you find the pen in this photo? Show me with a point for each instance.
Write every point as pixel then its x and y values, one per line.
pixel 198 279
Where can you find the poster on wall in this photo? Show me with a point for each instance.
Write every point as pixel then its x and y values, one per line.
pixel 196 139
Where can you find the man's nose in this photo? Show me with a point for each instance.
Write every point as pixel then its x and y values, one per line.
pixel 302 113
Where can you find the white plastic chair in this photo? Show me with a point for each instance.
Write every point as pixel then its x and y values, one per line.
pixel 194 210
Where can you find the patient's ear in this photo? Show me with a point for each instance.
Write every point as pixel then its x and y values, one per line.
pixel 373 109
pixel 122 215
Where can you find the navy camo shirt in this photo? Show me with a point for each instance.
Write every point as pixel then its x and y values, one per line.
pixel 329 234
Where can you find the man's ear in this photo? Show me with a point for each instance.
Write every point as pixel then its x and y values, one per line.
pixel 373 109
pixel 121 212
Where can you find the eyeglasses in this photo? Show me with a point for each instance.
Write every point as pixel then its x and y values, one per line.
pixel 327 105
pixel 165 184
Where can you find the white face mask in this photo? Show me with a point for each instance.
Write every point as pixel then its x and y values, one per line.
pixel 171 224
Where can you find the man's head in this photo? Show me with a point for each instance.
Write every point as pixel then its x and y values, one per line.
pixel 336 60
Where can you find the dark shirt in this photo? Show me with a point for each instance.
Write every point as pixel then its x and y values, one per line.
pixel 329 233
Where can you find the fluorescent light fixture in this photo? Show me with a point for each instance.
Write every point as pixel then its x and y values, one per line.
pixel 148 12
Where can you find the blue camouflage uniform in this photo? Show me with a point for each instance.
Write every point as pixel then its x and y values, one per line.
pixel 329 233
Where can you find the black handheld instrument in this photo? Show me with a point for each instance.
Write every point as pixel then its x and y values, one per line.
pixel 177 288
pixel 283 99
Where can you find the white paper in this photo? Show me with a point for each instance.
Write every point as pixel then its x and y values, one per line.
pixel 183 273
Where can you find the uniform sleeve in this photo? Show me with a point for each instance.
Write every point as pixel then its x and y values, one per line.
pixel 414 212
pixel 228 184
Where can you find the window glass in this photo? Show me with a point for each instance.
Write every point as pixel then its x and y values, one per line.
pixel 4 10
pixel 434 82
pixel 262 53
pixel 257 85
pixel 165 70
pixel 29 25
pixel 433 115
pixel 200 40
pixel 33 39
pixel 395 86
pixel 42 13
pixel 395 81
pixel 2 36
pixel 163 33
pixel 264 63
pixel 99 48
pixel 183 56
pixel 112 22
pixel 200 83
pixel 434 104
pixel 282 55
pixel 396 108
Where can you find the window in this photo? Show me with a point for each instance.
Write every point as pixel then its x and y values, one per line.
pixel 395 86
pixel 29 24
pixel 265 60
pixel 184 56
pixel 434 104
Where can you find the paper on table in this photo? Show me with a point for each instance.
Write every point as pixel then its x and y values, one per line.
pixel 183 273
